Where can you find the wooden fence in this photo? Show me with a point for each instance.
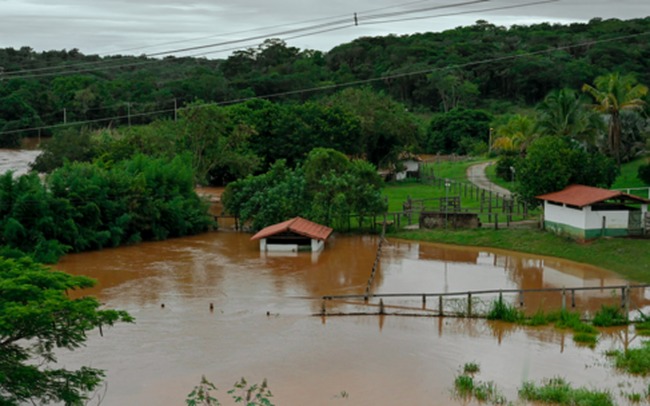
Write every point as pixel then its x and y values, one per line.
pixel 469 299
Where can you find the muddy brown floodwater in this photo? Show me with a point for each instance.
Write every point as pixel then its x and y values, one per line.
pixel 309 360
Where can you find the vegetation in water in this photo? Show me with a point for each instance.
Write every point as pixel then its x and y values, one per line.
pixel 559 392
pixel 500 310
pixel 633 360
pixel 241 392
pixel 466 386
pixel 609 315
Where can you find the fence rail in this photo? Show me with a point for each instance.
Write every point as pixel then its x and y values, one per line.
pixel 470 295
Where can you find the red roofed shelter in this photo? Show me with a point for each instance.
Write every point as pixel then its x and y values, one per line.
pixel 588 212
pixel 293 235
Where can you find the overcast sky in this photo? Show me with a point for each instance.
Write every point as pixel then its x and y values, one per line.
pixel 150 26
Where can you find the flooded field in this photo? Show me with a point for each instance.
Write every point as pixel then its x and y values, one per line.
pixel 263 324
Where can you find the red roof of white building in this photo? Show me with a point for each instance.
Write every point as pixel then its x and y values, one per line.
pixel 296 225
pixel 580 196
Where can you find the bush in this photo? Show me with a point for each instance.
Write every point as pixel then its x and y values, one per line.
pixel 609 316
pixel 501 310
pixel 644 173
pixel 505 163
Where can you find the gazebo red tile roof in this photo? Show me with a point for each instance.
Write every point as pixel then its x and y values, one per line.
pixel 581 196
pixel 296 225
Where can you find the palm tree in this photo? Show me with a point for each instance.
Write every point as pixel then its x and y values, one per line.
pixel 563 113
pixel 613 93
pixel 515 135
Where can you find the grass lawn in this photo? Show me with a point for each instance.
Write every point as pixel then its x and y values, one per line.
pixel 398 192
pixel 627 257
pixel 628 177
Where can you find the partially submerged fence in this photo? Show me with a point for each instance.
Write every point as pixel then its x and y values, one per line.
pixel 472 304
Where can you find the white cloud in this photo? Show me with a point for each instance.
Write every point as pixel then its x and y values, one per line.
pixel 100 26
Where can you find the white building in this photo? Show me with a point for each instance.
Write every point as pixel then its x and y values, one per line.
pixel 410 168
pixel 588 212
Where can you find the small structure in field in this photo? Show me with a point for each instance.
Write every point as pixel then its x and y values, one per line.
pixel 293 235
pixel 588 212
pixel 408 167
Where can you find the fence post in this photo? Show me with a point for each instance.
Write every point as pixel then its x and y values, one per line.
pixel 424 301
pixel 622 297
pixel 441 311
pixel 490 208
pixel 323 309
pixel 496 221
pixel 563 299
pixel 627 302
pixel 381 306
pixel 469 304
pixel 573 298
pixel 521 298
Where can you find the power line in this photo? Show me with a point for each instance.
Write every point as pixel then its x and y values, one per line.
pixel 342 85
pixel 465 12
pixel 339 22
pixel 324 29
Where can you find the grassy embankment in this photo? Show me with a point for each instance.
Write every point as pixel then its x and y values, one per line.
pixel 627 257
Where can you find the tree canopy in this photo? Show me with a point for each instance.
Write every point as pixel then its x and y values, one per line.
pixel 36 318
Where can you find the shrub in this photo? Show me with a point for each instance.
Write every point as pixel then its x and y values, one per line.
pixel 609 316
pixel 558 391
pixel 644 173
pixel 501 310
pixel 635 361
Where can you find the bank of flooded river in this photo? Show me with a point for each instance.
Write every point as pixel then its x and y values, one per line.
pixel 263 323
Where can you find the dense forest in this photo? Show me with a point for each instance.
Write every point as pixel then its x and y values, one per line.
pixel 295 132
pixel 481 66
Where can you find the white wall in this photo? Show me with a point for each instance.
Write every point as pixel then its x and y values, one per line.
pixel 282 247
pixel 613 219
pixel 317 245
pixel 411 166
pixel 564 215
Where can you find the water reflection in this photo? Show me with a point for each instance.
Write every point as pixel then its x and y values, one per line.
pixel 260 323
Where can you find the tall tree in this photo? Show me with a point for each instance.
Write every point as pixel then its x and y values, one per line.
pixel 614 93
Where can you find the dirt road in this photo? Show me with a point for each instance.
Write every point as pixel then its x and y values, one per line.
pixel 476 175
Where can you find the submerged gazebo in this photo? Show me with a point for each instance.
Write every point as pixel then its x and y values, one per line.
pixel 297 234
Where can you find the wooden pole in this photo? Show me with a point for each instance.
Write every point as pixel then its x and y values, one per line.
pixel 627 302
pixel 573 298
pixel 440 306
pixel 469 304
